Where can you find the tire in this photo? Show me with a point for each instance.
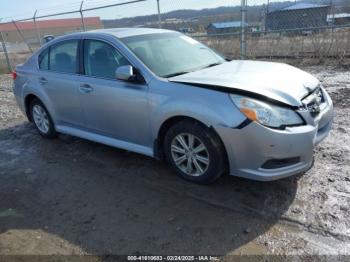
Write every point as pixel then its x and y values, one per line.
pixel 46 128
pixel 211 160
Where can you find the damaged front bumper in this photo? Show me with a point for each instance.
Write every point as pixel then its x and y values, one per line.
pixel 262 153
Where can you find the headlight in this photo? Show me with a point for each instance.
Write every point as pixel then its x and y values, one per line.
pixel 266 114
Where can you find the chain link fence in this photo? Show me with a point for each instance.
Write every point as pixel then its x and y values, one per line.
pixel 299 29
pixel 250 29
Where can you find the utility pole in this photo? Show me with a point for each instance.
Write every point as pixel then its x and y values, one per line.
pixel 243 18
pixel 159 17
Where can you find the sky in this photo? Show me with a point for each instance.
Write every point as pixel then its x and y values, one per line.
pixel 19 9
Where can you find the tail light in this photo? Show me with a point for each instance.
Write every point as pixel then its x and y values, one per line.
pixel 14 75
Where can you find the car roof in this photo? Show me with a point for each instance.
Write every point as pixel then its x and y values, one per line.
pixel 126 32
pixel 115 32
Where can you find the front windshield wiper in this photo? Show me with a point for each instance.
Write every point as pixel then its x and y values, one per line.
pixel 177 74
pixel 211 65
pixel 186 72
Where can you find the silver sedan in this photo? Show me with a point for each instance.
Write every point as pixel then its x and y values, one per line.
pixel 165 95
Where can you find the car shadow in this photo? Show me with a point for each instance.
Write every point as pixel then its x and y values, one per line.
pixel 110 201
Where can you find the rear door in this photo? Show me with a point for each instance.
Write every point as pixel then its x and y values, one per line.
pixel 112 107
pixel 58 76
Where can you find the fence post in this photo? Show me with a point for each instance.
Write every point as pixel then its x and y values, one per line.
pixel 333 14
pixel 159 17
pixel 82 16
pixel 22 36
pixel 266 15
pixel 243 17
pixel 9 66
pixel 36 28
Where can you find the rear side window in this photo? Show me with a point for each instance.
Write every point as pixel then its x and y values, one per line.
pixel 61 57
pixel 102 59
pixel 44 60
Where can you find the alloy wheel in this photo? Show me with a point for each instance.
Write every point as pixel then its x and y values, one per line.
pixel 190 154
pixel 41 119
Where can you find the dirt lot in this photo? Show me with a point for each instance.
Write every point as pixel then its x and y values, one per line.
pixel 72 196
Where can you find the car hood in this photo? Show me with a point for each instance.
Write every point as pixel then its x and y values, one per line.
pixel 281 82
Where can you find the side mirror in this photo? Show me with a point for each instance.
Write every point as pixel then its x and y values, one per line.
pixel 125 73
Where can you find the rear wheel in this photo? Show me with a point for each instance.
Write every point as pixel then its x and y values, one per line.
pixel 42 119
pixel 195 152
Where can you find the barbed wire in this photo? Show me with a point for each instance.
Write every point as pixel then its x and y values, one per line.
pixel 72 7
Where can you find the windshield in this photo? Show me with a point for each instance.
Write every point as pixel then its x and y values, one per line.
pixel 172 54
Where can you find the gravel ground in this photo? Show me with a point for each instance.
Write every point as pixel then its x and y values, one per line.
pixel 72 196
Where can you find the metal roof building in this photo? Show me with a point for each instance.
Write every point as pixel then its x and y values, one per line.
pixel 339 19
pixel 225 27
pixel 47 27
pixel 302 6
pixel 298 16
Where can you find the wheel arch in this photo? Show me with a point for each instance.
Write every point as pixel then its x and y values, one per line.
pixel 27 101
pixel 168 123
pixel 28 98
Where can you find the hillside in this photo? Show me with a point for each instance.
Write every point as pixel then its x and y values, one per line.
pixel 200 19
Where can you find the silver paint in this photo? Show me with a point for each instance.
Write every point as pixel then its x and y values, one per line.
pixel 129 115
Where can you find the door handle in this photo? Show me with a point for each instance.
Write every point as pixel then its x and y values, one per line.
pixel 43 80
pixel 85 88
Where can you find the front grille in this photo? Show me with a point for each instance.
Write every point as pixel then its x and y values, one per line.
pixel 314 101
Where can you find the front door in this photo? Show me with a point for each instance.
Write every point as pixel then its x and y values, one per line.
pixel 113 108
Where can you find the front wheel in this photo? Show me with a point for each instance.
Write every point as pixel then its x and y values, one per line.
pixel 195 152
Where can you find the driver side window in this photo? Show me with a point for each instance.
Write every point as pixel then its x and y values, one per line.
pixel 101 59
